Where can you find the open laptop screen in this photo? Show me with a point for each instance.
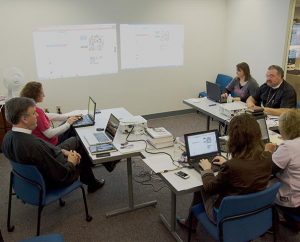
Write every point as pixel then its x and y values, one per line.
pixel 91 108
pixel 112 126
pixel 202 144
pixel 213 91
pixel 261 120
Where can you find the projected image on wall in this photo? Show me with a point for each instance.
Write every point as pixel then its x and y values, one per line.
pixel 76 50
pixel 151 45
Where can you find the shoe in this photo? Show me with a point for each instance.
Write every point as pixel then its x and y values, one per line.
pixel 110 166
pixel 95 185
pixel 184 223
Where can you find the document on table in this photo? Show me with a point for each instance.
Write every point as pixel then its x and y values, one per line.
pixel 195 100
pixel 159 163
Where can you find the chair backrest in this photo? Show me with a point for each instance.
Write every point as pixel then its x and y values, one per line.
pixel 28 183
pixel 245 217
pixel 223 80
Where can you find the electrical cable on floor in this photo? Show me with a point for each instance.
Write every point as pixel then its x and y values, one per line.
pixel 148 177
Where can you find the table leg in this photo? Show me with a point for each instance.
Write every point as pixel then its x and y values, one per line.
pixel 207 122
pixel 172 227
pixel 131 206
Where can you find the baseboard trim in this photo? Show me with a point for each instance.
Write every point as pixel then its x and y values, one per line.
pixel 168 114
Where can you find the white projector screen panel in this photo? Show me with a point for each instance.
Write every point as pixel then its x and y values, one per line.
pixel 75 50
pixel 151 45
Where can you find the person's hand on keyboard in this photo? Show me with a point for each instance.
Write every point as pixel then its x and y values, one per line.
pixel 218 160
pixel 205 164
pixel 73 119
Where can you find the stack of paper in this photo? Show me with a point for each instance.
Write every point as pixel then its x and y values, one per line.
pixel 160 137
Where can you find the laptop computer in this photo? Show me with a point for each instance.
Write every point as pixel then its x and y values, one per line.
pixel 107 136
pixel 214 92
pixel 88 119
pixel 202 145
pixel 261 120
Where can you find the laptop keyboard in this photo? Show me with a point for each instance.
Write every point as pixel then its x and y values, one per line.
pixel 102 138
pixel 197 167
pixel 84 119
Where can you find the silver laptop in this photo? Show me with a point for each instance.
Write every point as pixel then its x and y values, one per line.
pixel 261 120
pixel 107 136
pixel 88 119
pixel 202 145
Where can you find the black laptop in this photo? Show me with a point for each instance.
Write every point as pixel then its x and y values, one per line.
pixel 88 119
pixel 214 92
pixel 202 145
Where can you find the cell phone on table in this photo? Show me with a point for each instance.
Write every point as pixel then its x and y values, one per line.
pixel 182 174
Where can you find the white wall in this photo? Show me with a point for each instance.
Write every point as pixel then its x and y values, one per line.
pixel 141 91
pixel 256 34
pixel 218 35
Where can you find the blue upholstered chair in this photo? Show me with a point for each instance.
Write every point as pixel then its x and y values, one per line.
pixel 45 238
pixel 241 217
pixel 290 216
pixel 222 80
pixel 42 238
pixel 29 186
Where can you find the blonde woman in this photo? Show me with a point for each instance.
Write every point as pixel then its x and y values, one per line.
pixel 286 159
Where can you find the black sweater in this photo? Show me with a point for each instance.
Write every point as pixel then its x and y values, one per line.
pixel 50 161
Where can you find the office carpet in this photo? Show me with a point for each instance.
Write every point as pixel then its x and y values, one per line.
pixel 140 225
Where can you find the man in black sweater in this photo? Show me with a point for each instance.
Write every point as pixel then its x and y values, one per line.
pixel 276 95
pixel 60 165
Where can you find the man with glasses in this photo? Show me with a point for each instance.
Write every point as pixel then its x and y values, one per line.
pixel 276 95
pixel 60 165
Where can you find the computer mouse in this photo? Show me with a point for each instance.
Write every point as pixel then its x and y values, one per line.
pixel 214 161
pixel 99 129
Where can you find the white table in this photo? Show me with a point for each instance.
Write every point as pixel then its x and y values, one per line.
pixel 100 122
pixel 209 108
pixel 177 185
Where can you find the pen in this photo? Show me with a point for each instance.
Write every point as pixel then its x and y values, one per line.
pixel 212 104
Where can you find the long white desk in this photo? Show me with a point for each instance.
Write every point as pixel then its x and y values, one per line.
pixel 208 107
pixel 100 122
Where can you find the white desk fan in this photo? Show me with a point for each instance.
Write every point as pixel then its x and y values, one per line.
pixel 13 79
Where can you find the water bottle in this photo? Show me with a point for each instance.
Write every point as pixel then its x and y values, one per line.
pixel 229 98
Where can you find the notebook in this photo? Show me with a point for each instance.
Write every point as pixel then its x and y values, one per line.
pixel 202 145
pixel 107 136
pixel 214 92
pixel 88 119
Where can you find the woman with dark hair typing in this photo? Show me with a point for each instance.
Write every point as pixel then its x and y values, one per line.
pixel 248 170
pixel 286 167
